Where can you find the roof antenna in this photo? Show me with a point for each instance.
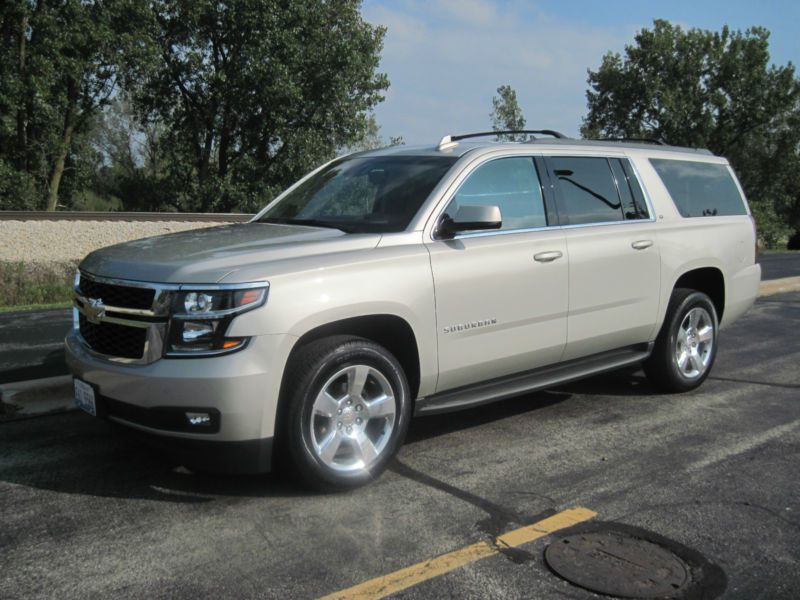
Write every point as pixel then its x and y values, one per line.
pixel 446 143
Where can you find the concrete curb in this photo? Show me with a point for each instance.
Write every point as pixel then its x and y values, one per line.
pixel 55 394
pixel 779 286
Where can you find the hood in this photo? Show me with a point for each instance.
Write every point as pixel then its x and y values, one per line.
pixel 208 255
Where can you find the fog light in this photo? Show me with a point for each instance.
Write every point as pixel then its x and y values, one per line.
pixel 199 419
pixel 196 331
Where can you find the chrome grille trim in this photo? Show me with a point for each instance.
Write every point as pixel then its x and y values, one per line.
pixel 154 320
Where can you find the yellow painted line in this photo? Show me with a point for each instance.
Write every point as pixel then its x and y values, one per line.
pixel 385 585
pixel 562 520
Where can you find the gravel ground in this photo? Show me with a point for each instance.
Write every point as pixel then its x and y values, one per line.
pixel 69 241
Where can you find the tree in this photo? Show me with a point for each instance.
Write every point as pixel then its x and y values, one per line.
pixel 132 173
pixel 715 90
pixel 254 94
pixel 372 139
pixel 58 65
pixel 506 114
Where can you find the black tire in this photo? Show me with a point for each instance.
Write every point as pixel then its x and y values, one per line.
pixel 312 366
pixel 662 366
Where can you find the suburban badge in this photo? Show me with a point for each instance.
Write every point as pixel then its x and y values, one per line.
pixel 470 325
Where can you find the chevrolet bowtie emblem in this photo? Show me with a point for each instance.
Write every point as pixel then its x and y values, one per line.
pixel 95 310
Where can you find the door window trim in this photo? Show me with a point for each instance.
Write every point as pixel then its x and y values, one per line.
pixel 549 206
pixel 546 181
pixel 607 157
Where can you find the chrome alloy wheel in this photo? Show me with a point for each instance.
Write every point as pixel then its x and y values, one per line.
pixel 694 343
pixel 353 417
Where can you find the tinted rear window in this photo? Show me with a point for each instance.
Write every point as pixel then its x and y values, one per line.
pixel 586 189
pixel 700 189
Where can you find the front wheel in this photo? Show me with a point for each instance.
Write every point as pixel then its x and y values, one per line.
pixel 686 347
pixel 348 411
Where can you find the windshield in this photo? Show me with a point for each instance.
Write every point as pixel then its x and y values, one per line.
pixel 362 195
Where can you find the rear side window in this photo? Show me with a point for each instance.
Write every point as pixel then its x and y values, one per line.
pixel 700 189
pixel 587 190
pixel 633 204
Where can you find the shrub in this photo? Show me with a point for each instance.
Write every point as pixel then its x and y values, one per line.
pixel 34 283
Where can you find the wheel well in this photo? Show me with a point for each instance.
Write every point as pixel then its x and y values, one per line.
pixel 708 280
pixel 390 331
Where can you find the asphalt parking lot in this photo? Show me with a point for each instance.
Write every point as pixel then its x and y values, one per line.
pixel 89 512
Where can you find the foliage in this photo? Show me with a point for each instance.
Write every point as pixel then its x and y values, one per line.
pixel 34 284
pixel 715 90
pixel 186 105
pixel 255 94
pixel 506 114
pixel 371 138
pixel 58 66
pixel 17 189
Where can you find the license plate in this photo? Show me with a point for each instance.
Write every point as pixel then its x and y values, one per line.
pixel 84 397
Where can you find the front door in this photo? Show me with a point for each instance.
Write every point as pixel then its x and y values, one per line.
pixel 501 295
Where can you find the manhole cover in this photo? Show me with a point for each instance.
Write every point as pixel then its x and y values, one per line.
pixel 617 565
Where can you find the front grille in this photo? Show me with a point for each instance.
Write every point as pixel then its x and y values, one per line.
pixel 113 339
pixel 121 296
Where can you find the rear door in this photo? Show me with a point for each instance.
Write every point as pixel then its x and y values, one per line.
pixel 501 295
pixel 614 263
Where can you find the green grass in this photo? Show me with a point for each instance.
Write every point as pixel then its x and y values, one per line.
pixel 26 307
pixel 35 285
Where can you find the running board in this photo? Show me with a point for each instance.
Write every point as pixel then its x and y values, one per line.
pixel 531 381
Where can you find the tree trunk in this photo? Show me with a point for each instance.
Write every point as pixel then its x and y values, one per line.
pixel 224 145
pixel 64 145
pixel 22 118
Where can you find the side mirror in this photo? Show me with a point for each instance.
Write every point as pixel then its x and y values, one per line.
pixel 471 217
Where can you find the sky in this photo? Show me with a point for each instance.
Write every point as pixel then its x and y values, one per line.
pixel 446 58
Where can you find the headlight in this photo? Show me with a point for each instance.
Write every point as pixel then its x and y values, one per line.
pixel 201 318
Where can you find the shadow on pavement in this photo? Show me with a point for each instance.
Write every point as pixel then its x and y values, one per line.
pixel 52 364
pixel 75 454
pixel 426 427
pixel 623 383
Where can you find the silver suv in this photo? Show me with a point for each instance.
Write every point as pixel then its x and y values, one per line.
pixel 411 281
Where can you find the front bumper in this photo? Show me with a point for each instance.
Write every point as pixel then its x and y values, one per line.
pixel 240 389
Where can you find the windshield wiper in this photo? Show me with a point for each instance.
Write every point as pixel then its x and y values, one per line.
pixel 309 222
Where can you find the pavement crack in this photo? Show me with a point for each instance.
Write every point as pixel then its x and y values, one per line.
pixel 516 555
pixel 790 386
pixel 697 503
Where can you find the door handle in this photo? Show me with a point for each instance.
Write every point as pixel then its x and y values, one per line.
pixel 547 256
pixel 641 244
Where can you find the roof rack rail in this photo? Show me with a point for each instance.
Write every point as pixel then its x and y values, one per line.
pixel 633 139
pixel 449 141
pixel 555 134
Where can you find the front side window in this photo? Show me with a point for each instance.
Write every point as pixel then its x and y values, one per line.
pixel 586 190
pixel 362 194
pixel 700 189
pixel 513 185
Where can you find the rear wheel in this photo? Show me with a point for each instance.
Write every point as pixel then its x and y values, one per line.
pixel 348 411
pixel 686 346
